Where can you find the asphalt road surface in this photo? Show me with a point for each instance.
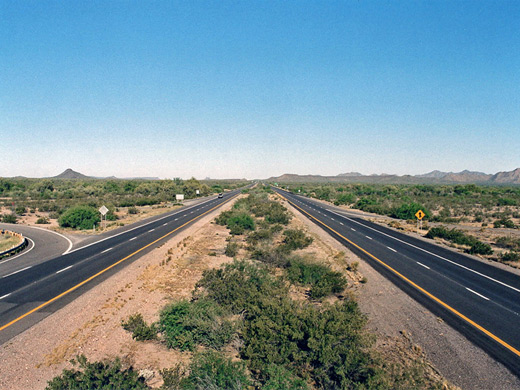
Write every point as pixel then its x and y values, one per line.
pixel 479 300
pixel 29 293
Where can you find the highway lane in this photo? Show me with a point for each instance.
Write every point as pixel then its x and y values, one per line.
pixel 43 245
pixel 479 300
pixel 31 293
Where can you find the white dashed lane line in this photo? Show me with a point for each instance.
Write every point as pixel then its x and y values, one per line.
pixel 15 272
pixel 476 293
pixel 421 264
pixel 64 269
pixel 106 250
pixel 132 239
pixel 392 249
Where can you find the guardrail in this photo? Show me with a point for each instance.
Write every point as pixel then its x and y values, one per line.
pixel 15 249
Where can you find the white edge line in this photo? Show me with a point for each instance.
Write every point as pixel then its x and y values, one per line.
pixel 140 226
pixel 433 254
pixel 5 296
pixel 476 293
pixel 64 269
pixel 59 234
pixel 425 266
pixel 15 272
pixel 21 254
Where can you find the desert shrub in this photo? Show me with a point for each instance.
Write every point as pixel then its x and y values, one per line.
pixel 508 242
pixel 458 237
pixel 344 199
pixel 408 210
pixel 139 328
pixel 277 214
pixel 238 285
pixel 54 215
pixel 232 248
pixel 269 255
pixel 238 224
pixel 79 217
pixel 322 280
pixel 173 378
pixel 108 375
pixel 210 370
pixel 42 221
pixel 507 223
pixel 133 210
pixel 188 324
pixel 21 210
pixel 480 248
pixel 9 218
pixel 511 256
pixel 295 239
pixel 280 378
pixel 259 235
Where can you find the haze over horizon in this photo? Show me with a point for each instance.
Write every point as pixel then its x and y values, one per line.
pixel 253 90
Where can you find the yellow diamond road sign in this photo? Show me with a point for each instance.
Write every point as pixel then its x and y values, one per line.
pixel 420 214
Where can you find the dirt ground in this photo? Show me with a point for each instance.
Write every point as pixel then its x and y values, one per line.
pixel 91 324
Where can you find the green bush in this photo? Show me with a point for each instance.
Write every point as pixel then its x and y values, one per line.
pixel 42 221
pixel 188 324
pixel 511 256
pixel 238 224
pixel 322 280
pixel 97 375
pixel 408 210
pixel 280 378
pixel 295 239
pixel 20 210
pixel 79 217
pixel 480 248
pixel 139 328
pixel 239 285
pixel 9 218
pixel 232 248
pixel 133 210
pixel 458 237
pixel 210 370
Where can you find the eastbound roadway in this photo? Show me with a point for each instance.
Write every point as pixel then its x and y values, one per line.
pixel 32 291
pixel 481 301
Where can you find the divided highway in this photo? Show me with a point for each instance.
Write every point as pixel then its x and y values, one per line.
pixel 479 300
pixel 32 292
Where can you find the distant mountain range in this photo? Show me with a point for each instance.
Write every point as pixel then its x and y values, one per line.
pixel 434 177
pixel 71 175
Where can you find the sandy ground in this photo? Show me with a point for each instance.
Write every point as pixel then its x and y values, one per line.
pixel 398 320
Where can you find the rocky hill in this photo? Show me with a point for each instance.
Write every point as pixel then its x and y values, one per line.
pixel 434 177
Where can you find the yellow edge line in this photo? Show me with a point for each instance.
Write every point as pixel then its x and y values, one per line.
pixel 107 268
pixel 454 311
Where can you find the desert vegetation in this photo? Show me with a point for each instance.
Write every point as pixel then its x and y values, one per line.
pixel 273 318
pixel 71 201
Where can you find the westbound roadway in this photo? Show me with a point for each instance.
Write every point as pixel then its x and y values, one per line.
pixel 31 292
pixel 481 301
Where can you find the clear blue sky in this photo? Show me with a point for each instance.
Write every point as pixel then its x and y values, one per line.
pixel 258 88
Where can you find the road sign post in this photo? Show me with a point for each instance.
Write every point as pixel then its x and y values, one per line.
pixel 103 210
pixel 420 215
